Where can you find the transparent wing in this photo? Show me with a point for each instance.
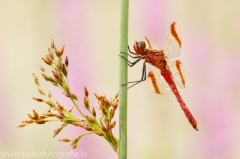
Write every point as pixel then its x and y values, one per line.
pixel 178 73
pixel 158 84
pixel 172 45
pixel 149 45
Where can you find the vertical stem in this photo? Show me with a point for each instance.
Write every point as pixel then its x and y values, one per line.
pixel 122 146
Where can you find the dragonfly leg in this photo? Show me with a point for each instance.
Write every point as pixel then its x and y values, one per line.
pixel 131 64
pixel 142 79
pixel 134 53
pixel 131 56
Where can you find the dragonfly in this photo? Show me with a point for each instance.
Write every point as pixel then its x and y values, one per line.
pixel 168 76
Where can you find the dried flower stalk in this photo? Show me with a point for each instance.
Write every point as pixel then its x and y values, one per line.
pixel 59 78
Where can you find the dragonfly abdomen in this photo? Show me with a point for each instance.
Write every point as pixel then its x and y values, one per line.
pixel 168 77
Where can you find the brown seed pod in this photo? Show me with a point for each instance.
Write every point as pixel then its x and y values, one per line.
pixel 38 99
pixel 59 64
pixel 65 140
pixel 99 133
pixel 21 125
pixel 41 91
pixel 60 106
pixel 48 78
pixel 35 79
pixel 90 119
pixel 28 121
pixel 64 70
pixel 115 104
pixel 113 124
pixel 86 91
pixel 50 54
pixel 40 122
pixel 66 61
pixel 46 61
pixel 70 110
pixel 61 51
pixel 42 69
pixel 93 112
pixel 74 96
pixel 52 44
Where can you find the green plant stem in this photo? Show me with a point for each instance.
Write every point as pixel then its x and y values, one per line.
pixel 122 146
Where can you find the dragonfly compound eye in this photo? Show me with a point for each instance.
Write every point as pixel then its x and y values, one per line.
pixel 141 46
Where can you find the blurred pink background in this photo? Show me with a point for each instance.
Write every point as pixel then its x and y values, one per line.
pixel 157 127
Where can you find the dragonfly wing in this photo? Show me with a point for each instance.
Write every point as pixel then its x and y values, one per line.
pixel 172 45
pixel 157 83
pixel 178 73
pixel 149 45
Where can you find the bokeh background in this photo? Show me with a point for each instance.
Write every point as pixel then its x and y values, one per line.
pixel 157 127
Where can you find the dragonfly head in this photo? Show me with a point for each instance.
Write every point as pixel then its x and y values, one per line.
pixel 139 47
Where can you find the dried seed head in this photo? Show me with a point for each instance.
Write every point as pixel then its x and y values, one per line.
pixel 116 96
pixel 86 102
pixel 66 94
pixel 57 52
pixel 88 128
pixel 48 114
pixel 113 124
pixel 112 112
pixel 60 112
pixel 104 111
pixel 75 141
pixel 66 61
pixel 106 123
pixel 70 110
pixel 40 121
pixel 35 114
pixel 46 61
pixel 61 51
pixel 115 104
pixel 90 119
pixel 93 112
pixel 43 117
pixel 60 106
pixel 32 117
pixel 42 69
pixel 48 78
pixel 64 70
pixel 59 64
pixel 21 125
pixel 65 140
pixel 85 91
pixel 50 54
pixel 99 133
pixel 55 83
pixel 74 96
pixel 49 94
pixel 103 127
pixel 41 91
pixel 50 103
pixel 49 59
pixel 52 44
pixel 56 75
pixel 97 96
pixel 57 131
pixel 77 124
pixel 106 100
pixel 28 121
pixel 58 116
pixel 35 79
pixel 38 99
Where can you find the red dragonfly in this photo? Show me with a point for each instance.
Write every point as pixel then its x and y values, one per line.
pixel 168 75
